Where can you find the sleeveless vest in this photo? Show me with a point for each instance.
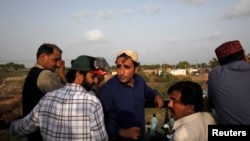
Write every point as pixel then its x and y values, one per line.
pixel 30 97
pixel 31 93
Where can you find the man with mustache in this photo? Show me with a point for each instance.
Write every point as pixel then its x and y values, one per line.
pixel 42 79
pixel 186 107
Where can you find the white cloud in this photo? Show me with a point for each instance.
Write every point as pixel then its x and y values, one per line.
pixel 215 35
pixel 127 12
pixel 151 9
pixel 172 41
pixel 242 9
pixel 78 17
pixel 105 14
pixel 94 36
pixel 194 1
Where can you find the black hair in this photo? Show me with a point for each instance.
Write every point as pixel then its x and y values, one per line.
pixel 47 49
pixel 232 58
pixel 71 75
pixel 191 93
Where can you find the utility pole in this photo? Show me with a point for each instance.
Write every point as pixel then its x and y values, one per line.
pixel 164 71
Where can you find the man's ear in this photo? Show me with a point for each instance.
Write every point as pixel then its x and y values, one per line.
pixel 190 108
pixel 245 58
pixel 41 55
pixel 42 58
pixel 136 68
pixel 79 78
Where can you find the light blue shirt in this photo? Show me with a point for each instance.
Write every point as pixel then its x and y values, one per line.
pixel 154 123
pixel 229 92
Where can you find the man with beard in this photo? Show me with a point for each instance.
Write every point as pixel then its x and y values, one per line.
pixel 186 106
pixel 103 70
pixel 68 113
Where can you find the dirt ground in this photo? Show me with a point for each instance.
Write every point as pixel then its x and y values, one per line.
pixel 160 114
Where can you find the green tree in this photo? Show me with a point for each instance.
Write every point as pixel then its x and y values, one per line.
pixel 214 63
pixel 182 65
pixel 155 66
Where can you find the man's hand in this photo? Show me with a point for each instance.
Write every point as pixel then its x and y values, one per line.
pixel 130 133
pixel 61 72
pixel 159 101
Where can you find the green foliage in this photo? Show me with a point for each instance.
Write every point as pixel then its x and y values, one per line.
pixel 213 63
pixel 5 73
pixel 12 66
pixel 182 65
pixel 157 66
pixel 12 70
pixel 164 82
pixel 143 75
pixel 162 89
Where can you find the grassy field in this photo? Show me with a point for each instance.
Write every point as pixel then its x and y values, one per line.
pixel 5 136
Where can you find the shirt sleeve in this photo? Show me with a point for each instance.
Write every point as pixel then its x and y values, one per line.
pixel 47 81
pixel 97 124
pixel 26 125
pixel 105 96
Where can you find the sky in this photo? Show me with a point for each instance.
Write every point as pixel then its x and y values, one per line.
pixel 160 31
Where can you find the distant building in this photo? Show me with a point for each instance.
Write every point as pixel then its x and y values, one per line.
pixel 193 71
pixel 179 72
pixel 152 71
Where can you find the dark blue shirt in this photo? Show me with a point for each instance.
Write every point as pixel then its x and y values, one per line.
pixel 123 105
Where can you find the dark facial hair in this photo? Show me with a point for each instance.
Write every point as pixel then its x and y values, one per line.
pixel 86 85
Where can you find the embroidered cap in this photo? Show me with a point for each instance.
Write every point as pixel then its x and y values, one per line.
pixel 228 48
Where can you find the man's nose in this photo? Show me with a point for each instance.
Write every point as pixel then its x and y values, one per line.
pixel 170 103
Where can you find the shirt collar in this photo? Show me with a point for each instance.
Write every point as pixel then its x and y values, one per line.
pixel 121 85
pixel 186 119
pixel 75 87
pixel 39 66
